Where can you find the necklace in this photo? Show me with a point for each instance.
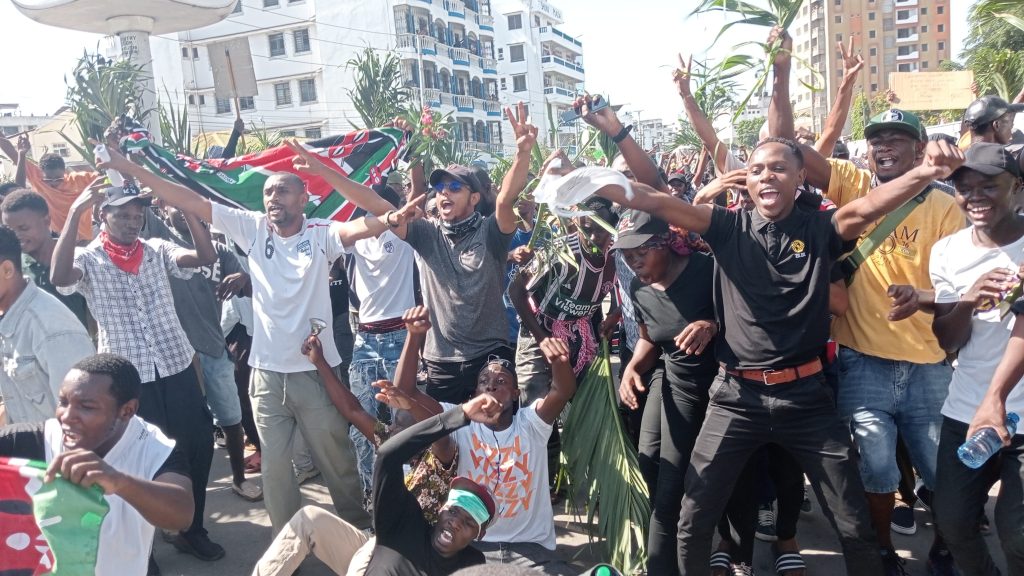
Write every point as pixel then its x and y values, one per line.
pixel 497 448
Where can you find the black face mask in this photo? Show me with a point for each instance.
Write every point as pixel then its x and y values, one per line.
pixel 460 228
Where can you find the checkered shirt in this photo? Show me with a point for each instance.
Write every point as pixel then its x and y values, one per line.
pixel 135 312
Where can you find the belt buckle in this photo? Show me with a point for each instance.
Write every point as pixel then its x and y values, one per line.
pixel 766 373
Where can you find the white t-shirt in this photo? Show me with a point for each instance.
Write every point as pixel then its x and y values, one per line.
pixel 125 536
pixel 956 264
pixel 382 277
pixel 513 465
pixel 290 285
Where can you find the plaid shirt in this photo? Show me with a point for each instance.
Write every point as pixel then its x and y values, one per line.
pixel 135 313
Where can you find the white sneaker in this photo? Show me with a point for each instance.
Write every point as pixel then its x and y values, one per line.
pixel 304 476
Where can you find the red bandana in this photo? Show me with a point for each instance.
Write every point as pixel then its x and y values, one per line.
pixel 127 258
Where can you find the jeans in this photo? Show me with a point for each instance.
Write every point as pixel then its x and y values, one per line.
pixel 176 405
pixel 881 397
pixel 374 357
pixel 683 405
pixel 800 416
pixel 525 554
pixel 221 393
pixel 455 382
pixel 959 502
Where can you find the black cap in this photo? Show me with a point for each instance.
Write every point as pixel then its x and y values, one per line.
pixel 990 159
pixel 635 228
pixel 602 208
pixel 840 150
pixel 455 172
pixel 118 196
pixel 987 109
pixel 677 176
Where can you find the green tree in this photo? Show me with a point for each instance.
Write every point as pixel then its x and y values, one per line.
pixel 379 94
pixel 995 46
pixel 747 131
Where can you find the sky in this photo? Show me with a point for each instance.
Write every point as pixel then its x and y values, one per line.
pixel 629 51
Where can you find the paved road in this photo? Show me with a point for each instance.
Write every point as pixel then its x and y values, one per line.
pixel 244 530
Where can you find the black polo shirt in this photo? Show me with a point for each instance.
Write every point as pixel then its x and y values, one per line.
pixel 772 285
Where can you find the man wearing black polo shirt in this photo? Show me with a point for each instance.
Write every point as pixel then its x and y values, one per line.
pixel 771 288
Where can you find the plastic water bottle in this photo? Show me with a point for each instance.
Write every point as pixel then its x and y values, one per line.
pixel 985 442
pixel 113 175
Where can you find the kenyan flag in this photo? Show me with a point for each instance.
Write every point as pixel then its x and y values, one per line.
pixel 51 528
pixel 365 156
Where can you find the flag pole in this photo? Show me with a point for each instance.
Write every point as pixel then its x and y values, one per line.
pixel 234 89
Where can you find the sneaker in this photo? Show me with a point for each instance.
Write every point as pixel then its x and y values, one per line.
pixel 805 506
pixel 304 476
pixel 219 439
pixel 248 490
pixel 742 569
pixel 199 545
pixel 924 496
pixel 892 563
pixel 903 520
pixel 766 524
pixel 940 563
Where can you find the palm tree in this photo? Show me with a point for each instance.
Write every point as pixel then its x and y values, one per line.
pixel 379 93
pixel 100 92
pixel 995 46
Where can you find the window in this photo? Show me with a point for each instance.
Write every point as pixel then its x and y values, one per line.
pixel 192 99
pixel 874 87
pixel 270 3
pixel 519 83
pixel 184 51
pixel 246 103
pixel 301 38
pixel 924 29
pixel 874 51
pixel 276 44
pixel 314 133
pixel 942 27
pixel 195 53
pixel 839 37
pixel 839 18
pixel 905 50
pixel 504 86
pixel 902 33
pixel 287 133
pixel 307 91
pixel 924 65
pixel 202 100
pixel 515 53
pixel 515 21
pixel 871 33
pixel 871 15
pixel 62 150
pixel 903 14
pixel 924 47
pixel 536 21
pixel 904 68
pixel 283 94
pixel 839 2
pixel 223 105
pixel 501 53
pixel 942 45
pixel 940 9
pixel 924 10
pixel 874 69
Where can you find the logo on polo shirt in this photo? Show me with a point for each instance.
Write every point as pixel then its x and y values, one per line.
pixel 305 248
pixel 798 247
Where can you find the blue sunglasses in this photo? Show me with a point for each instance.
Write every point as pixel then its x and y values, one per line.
pixel 453 186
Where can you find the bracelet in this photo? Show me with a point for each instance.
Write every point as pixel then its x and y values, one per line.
pixel 387 219
pixel 622 134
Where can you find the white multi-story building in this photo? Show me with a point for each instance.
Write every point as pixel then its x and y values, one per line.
pixel 459 56
pixel 655 135
pixel 539 65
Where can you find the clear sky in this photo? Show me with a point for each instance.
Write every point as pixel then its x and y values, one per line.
pixel 629 51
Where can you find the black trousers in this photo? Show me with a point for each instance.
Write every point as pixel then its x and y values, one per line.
pixel 455 382
pixel 800 416
pixel 683 406
pixel 781 480
pixel 176 405
pixel 960 495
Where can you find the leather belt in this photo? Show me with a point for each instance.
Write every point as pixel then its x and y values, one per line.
pixel 382 326
pixel 781 376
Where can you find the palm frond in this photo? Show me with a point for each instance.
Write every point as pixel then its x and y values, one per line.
pixel 379 93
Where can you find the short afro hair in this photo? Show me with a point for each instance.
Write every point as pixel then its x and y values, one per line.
pixel 8 187
pixel 794 148
pixel 51 161
pixel 125 383
pixel 24 199
pixel 10 247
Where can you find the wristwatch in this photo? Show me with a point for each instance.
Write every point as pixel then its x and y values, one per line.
pixel 622 134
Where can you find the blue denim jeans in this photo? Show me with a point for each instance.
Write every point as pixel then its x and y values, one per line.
pixel 881 397
pixel 221 391
pixel 374 357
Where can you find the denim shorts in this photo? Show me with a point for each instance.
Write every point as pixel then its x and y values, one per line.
pixel 884 397
pixel 221 391
pixel 374 357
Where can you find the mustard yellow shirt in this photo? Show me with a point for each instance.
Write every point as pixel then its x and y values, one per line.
pixel 900 259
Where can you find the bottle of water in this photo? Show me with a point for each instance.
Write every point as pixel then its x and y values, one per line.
pixel 113 175
pixel 985 442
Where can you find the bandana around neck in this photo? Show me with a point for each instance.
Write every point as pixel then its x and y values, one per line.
pixel 127 258
pixel 460 228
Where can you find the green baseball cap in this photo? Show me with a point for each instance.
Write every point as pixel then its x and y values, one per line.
pixel 894 119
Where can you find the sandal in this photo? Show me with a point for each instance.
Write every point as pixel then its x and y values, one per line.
pixel 253 463
pixel 248 490
pixel 789 564
pixel 721 561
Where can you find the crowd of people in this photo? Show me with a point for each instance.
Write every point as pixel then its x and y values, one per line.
pixel 787 316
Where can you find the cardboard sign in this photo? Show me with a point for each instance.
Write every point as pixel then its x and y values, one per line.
pixel 932 90
pixel 233 74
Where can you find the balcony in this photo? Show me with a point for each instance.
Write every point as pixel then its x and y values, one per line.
pixel 560 95
pixel 909 56
pixel 488 107
pixel 902 39
pixel 552 34
pixel 460 56
pixel 488 65
pixel 412 2
pixel 432 96
pixel 486 22
pixel 911 18
pixel 455 8
pixel 492 148
pixel 408 43
pixel 905 3
pixel 556 64
pixel 463 103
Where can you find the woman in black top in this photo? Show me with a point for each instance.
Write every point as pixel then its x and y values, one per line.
pixel 673 296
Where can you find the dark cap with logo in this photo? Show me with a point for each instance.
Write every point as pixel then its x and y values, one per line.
pixel 458 173
pixel 990 159
pixel 119 196
pixel 635 228
pixel 677 176
pixel 895 119
pixel 987 109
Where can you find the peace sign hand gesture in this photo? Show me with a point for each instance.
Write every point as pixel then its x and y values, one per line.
pixel 681 76
pixel 526 133
pixel 852 63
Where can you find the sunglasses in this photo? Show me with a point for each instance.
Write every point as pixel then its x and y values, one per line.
pixel 453 186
